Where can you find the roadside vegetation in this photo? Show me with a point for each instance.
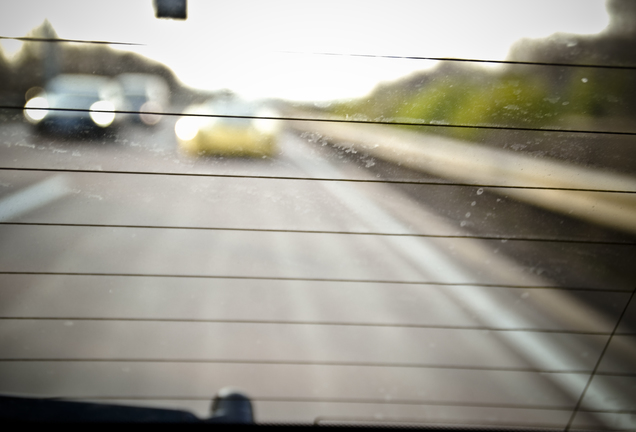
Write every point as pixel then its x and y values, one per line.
pixel 516 96
pixel 519 95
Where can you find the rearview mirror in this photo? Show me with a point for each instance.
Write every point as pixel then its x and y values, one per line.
pixel 175 9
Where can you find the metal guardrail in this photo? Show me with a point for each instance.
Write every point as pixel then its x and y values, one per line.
pixel 600 197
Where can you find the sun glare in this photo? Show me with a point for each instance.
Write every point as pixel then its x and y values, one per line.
pixel 272 50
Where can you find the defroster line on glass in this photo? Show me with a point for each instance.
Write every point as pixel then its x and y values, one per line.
pixel 301 279
pixel 309 323
pixel 295 231
pixel 324 179
pixel 468 60
pixel 332 120
pixel 60 40
pixel 304 363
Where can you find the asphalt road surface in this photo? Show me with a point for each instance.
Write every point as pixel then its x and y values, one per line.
pixel 131 273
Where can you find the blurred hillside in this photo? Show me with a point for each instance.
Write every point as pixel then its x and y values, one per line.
pixel 614 46
pixel 36 62
pixel 521 95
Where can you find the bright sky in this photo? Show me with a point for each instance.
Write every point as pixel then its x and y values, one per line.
pixel 239 44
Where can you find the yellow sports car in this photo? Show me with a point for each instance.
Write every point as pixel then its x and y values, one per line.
pixel 228 127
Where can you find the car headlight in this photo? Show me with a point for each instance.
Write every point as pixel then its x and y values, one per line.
pixel 187 128
pixel 34 109
pixel 266 125
pixel 102 113
pixel 146 109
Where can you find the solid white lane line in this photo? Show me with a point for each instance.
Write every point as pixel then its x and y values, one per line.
pixel 538 349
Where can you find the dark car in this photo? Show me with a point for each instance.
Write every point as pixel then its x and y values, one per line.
pixel 228 127
pixel 75 104
pixel 144 94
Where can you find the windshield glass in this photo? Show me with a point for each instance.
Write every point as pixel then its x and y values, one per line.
pixel 355 212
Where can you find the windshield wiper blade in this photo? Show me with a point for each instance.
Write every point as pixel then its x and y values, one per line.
pixel 229 406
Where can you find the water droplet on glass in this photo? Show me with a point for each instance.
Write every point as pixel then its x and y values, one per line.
pixel 480 191
pixel 584 80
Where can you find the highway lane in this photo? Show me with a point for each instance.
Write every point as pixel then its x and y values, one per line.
pixel 311 324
